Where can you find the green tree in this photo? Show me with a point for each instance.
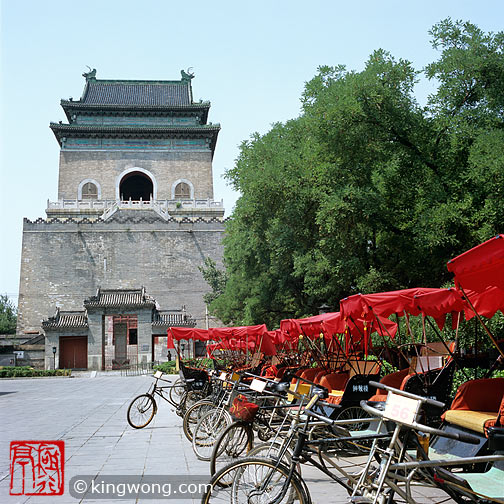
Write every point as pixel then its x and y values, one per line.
pixel 215 278
pixel 367 190
pixel 8 317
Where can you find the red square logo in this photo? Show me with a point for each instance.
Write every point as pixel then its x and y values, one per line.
pixel 37 467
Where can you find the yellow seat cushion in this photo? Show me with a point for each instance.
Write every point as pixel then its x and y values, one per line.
pixel 336 392
pixel 472 420
pixel 302 389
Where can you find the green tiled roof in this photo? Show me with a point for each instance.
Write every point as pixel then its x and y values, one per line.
pixel 84 131
pixel 167 93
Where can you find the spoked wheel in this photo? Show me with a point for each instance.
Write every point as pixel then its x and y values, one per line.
pixel 177 391
pixel 208 430
pixel 193 415
pixel 355 413
pixel 255 481
pixel 234 442
pixel 272 450
pixel 141 411
pixel 192 398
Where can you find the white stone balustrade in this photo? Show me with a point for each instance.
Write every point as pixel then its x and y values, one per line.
pixel 67 204
pixel 106 208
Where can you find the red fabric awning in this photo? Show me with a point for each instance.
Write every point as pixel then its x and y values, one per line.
pixel 267 345
pixel 438 303
pixel 291 328
pixel 486 303
pixel 381 303
pixel 186 333
pixel 480 267
pixel 238 333
pixel 326 323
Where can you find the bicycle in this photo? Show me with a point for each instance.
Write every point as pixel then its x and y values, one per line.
pixel 142 409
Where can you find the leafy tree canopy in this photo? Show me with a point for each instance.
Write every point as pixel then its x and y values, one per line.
pixel 8 317
pixel 367 190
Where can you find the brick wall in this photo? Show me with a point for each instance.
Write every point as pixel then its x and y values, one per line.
pixel 106 167
pixel 64 263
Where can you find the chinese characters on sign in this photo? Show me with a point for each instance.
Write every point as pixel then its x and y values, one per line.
pixel 37 467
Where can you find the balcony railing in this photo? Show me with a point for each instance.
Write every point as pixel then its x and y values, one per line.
pixel 186 204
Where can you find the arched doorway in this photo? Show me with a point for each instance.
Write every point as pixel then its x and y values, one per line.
pixel 135 186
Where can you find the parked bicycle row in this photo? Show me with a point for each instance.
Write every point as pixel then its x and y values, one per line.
pixel 318 392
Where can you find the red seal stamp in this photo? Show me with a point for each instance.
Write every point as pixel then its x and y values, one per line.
pixel 37 467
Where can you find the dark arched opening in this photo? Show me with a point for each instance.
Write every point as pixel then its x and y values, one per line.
pixel 136 186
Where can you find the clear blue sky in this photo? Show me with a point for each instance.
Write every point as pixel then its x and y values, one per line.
pixel 251 60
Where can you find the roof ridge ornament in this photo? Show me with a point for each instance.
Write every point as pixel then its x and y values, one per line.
pixel 91 75
pixel 187 76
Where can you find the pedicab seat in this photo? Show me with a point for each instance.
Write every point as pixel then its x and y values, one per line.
pixel 472 420
pixel 478 405
pixel 335 382
pixel 392 380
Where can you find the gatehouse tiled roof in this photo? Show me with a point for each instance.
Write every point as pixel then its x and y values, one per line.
pixel 158 93
pixel 118 298
pixel 172 319
pixel 66 320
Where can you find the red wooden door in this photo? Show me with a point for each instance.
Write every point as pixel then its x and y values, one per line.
pixel 73 352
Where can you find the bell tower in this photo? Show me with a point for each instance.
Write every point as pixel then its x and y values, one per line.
pixel 135 145
pixel 135 214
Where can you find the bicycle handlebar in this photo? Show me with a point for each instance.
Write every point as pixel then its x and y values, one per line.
pixel 465 438
pixel 426 400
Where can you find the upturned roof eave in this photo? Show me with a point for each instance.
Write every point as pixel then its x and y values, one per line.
pixel 80 128
pixel 62 130
pixel 70 107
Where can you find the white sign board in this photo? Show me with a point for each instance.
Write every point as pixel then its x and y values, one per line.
pixel 158 374
pixel 401 409
pixel 258 385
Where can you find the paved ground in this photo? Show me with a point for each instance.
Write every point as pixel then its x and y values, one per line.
pixel 89 414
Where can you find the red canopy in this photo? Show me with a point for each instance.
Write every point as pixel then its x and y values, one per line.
pixel 186 333
pixel 239 333
pixel 438 303
pixel 261 343
pixel 381 303
pixel 291 328
pixel 357 332
pixel 480 267
pixel 486 303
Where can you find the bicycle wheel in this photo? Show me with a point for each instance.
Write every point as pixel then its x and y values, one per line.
pixel 193 415
pixel 141 411
pixel 207 431
pixel 256 481
pixel 177 391
pixel 193 397
pixel 272 451
pixel 235 441
pixel 355 413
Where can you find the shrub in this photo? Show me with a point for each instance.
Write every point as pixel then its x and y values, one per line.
pixel 166 367
pixel 27 372
pixel 472 373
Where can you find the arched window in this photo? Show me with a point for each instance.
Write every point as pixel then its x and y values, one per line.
pixel 89 191
pixel 182 191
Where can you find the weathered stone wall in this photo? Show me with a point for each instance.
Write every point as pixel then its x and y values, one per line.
pixel 64 263
pixel 106 167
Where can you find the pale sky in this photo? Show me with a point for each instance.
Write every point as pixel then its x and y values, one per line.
pixel 250 59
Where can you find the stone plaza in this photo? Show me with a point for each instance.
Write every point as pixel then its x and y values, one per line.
pixel 88 412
